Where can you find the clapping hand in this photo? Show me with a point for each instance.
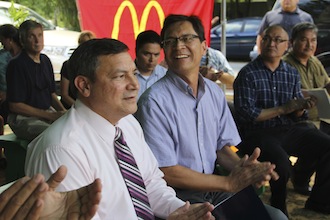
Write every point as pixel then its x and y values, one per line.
pixel 199 211
pixel 76 204
pixel 249 171
pixel 33 198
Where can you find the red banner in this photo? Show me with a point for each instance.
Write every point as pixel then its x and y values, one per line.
pixel 124 20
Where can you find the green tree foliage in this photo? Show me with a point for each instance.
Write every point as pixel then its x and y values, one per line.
pixel 62 13
pixel 18 15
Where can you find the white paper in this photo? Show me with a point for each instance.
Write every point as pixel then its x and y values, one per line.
pixel 323 101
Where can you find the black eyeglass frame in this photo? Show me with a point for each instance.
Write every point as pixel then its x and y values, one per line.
pixel 185 39
pixel 277 40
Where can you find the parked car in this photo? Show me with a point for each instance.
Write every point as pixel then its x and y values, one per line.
pixel 241 34
pixel 59 43
pixel 320 11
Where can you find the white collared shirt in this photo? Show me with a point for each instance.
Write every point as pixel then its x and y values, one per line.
pixel 84 142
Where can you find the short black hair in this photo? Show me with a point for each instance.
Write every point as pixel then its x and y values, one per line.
pixel 25 27
pixel 145 37
pixel 84 60
pixel 301 27
pixel 10 31
pixel 194 20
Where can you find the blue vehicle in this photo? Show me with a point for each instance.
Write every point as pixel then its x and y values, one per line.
pixel 241 34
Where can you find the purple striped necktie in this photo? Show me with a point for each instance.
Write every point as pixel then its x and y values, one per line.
pixel 132 177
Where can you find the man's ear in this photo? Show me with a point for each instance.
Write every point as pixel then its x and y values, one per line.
pixel 82 84
pixel 204 47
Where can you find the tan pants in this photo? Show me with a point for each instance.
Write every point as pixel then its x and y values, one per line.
pixel 25 127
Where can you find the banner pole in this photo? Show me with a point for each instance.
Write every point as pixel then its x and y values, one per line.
pixel 223 27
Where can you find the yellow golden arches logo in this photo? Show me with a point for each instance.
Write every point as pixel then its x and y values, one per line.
pixel 137 28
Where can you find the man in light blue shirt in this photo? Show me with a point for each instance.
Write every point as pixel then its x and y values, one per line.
pixel 189 127
pixel 147 52
pixel 215 66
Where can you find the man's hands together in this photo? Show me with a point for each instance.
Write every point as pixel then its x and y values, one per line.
pixel 249 171
pixel 298 105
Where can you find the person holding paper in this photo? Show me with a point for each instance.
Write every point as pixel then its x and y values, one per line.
pixel 312 73
pixel 271 114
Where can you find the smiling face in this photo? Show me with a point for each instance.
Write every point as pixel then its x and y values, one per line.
pixel 304 45
pixel 113 94
pixel 183 58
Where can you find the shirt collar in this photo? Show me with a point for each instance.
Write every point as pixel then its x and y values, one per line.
pixel 294 58
pixel 102 127
pixel 285 12
pixel 281 65
pixel 183 86
pixel 153 71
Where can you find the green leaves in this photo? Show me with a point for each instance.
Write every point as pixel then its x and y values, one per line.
pixel 18 15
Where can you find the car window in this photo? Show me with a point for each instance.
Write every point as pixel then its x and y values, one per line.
pixel 234 27
pixel 251 26
pixel 4 18
pixel 231 28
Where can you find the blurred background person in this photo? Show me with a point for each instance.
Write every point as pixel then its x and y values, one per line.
pixel 9 39
pixel 147 50
pixel 67 97
pixel 287 16
pixel 215 66
pixel 33 102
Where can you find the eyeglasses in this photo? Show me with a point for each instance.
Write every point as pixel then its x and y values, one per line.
pixel 185 39
pixel 276 40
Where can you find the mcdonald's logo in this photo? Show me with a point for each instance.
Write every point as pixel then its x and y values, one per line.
pixel 137 27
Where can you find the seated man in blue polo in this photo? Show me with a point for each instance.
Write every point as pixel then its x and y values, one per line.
pixel 33 103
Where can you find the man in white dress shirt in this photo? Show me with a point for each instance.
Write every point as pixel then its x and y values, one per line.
pixel 104 79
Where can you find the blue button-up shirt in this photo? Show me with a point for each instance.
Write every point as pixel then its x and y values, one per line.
pixel 146 82
pixel 185 130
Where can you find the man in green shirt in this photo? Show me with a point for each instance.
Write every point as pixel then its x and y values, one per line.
pixel 312 73
pixel 301 56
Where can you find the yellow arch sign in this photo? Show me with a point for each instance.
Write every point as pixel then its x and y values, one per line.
pixel 137 28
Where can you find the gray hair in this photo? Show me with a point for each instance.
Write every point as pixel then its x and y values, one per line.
pixel 25 27
pixel 301 27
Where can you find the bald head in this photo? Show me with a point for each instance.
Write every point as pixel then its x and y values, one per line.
pixel 276 29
